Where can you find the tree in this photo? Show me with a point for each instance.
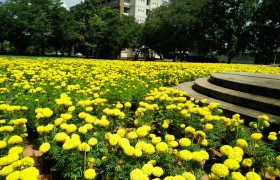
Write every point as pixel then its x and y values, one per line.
pixel 266 28
pixel 228 25
pixel 174 28
pixel 103 31
pixel 64 27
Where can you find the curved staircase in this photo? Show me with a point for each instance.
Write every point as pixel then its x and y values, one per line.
pixel 248 94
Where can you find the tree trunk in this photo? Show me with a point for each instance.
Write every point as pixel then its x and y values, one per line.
pixel 62 51
pixel 136 57
pixel 2 47
pixel 230 57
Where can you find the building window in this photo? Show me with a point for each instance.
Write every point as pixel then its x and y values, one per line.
pixel 126 10
pixel 147 12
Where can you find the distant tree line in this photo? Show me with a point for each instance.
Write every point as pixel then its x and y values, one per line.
pixel 177 30
pixel 38 27
pixel 215 27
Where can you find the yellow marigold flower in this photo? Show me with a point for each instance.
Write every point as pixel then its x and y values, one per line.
pixel 165 125
pixel 148 149
pixel 138 152
pixel 256 136
pixel 71 128
pixel 188 176
pixel 61 137
pixel 185 155
pixel 66 116
pixel 263 117
pixel 253 176
pixel 137 174
pixel 17 163
pixel 213 177
pixel 104 158
pixel 6 170
pixel 129 150
pixel 173 144
pixel 232 164
pixel 148 169
pixel 121 132
pixel 83 130
pixel 185 142
pixel 208 127
pixel 169 137
pixel 204 142
pixel 92 141
pixel 119 106
pixel 132 135
pixel 28 161
pixel 189 129
pixel 220 170
pixel 200 156
pixel 152 162
pixel 71 108
pixel 91 160
pixel 156 140
pixel 71 143
pixel 162 147
pixel 242 143
pixel 225 149
pixel 136 122
pixel 89 174
pixel 182 126
pixel 237 176
pixel 48 127
pixel 82 115
pixel 157 171
pixel 236 155
pixel 58 122
pixel 45 147
pixel 278 161
pixel 15 140
pixel 200 134
pixel 3 144
pixel 16 150
pixel 179 177
pixel 272 137
pixel 14 175
pixel 84 147
pixel 113 139
pixel 142 131
pixel 88 109
pixel 127 104
pixel 247 162
pixel 239 150
pixel 204 101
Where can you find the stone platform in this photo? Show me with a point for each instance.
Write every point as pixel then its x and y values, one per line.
pixel 248 94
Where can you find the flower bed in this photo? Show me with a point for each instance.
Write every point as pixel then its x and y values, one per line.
pixel 116 120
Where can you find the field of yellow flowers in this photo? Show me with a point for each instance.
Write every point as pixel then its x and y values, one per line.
pixel 97 119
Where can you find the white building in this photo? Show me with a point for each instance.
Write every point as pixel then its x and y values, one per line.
pixel 140 8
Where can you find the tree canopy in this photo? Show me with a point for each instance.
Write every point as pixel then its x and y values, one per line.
pixel 178 29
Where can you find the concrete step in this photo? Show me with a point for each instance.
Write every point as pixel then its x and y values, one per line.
pixel 255 83
pixel 228 108
pixel 252 101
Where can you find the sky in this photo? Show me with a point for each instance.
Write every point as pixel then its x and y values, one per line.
pixel 69 3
